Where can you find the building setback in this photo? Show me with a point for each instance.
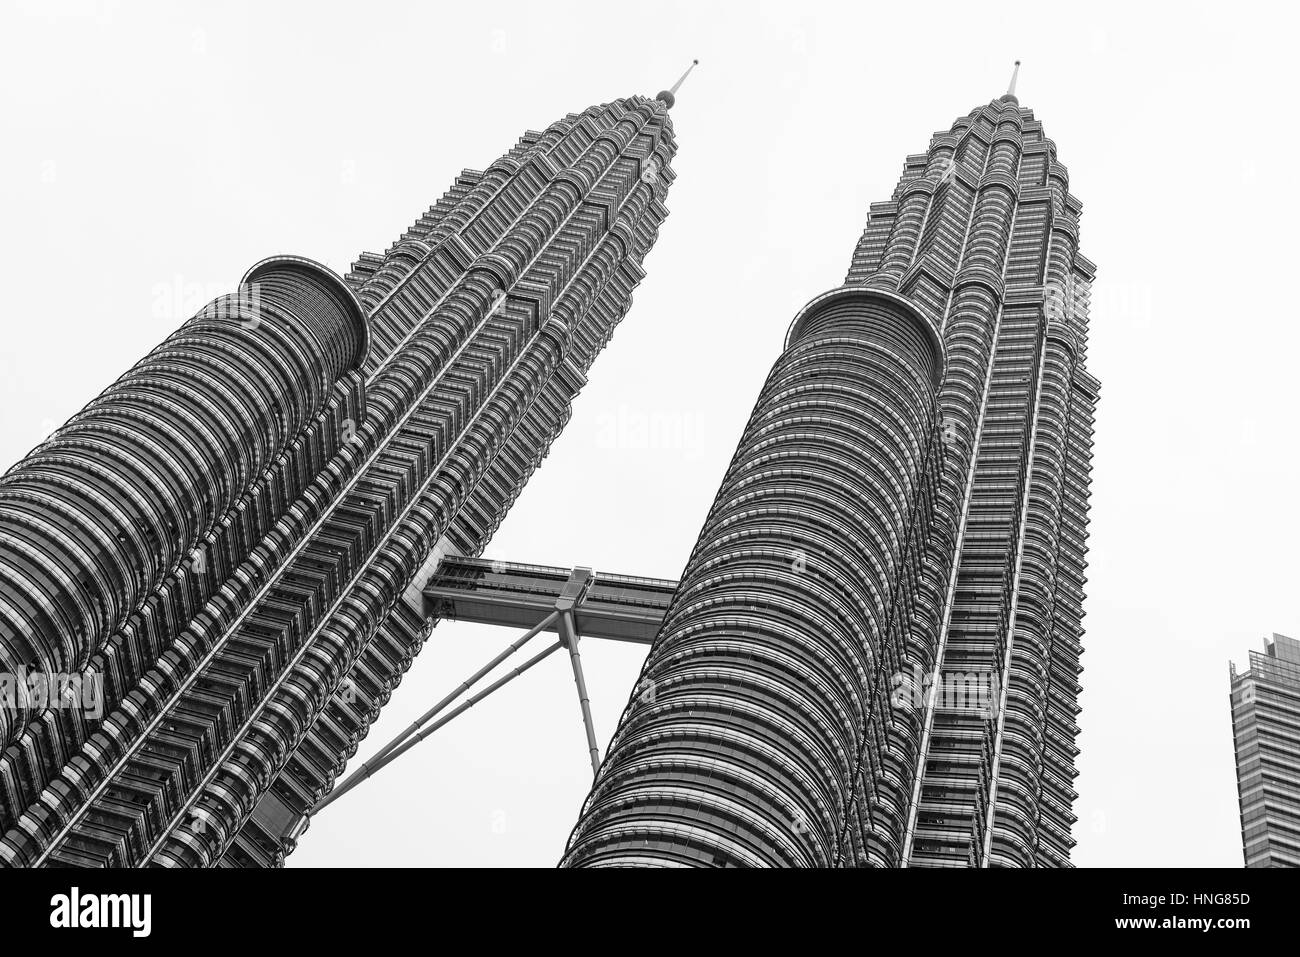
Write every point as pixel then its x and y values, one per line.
pixel 1265 700
pixel 232 537
pixel 872 657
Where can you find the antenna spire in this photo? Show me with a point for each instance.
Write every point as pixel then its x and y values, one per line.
pixel 669 97
pixel 1011 90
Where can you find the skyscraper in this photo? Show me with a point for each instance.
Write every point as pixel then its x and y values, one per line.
pixel 872 657
pixel 1265 701
pixel 228 542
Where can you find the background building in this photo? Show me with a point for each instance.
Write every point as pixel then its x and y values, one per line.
pixel 232 536
pixel 904 516
pixel 1265 701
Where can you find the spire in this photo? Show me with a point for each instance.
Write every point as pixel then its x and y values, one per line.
pixel 1010 95
pixel 669 97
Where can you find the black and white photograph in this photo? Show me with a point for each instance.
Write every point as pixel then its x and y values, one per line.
pixel 483 439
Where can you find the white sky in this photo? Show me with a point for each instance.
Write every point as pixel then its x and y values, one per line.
pixel 154 151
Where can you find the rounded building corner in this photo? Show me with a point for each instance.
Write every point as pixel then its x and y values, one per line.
pixel 331 281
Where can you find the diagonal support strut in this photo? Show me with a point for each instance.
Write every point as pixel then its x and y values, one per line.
pixel 393 753
pixel 569 635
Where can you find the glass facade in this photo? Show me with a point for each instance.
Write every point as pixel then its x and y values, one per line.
pixel 229 534
pixel 1265 702
pixel 905 514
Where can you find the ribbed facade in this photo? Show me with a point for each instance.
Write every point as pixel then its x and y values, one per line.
pixel 1265 701
pixel 907 507
pixel 231 536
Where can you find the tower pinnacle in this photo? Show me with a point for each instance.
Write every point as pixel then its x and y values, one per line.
pixel 1010 95
pixel 669 97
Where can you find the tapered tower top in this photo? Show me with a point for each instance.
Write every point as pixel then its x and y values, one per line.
pixel 1010 95
pixel 669 97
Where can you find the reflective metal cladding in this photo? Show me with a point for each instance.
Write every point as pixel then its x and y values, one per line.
pixel 872 656
pixel 230 539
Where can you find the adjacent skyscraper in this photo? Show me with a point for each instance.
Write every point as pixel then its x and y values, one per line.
pixel 228 543
pixel 872 657
pixel 1265 703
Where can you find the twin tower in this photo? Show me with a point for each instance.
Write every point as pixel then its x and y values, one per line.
pixel 872 656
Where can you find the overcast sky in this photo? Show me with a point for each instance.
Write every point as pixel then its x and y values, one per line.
pixel 155 151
